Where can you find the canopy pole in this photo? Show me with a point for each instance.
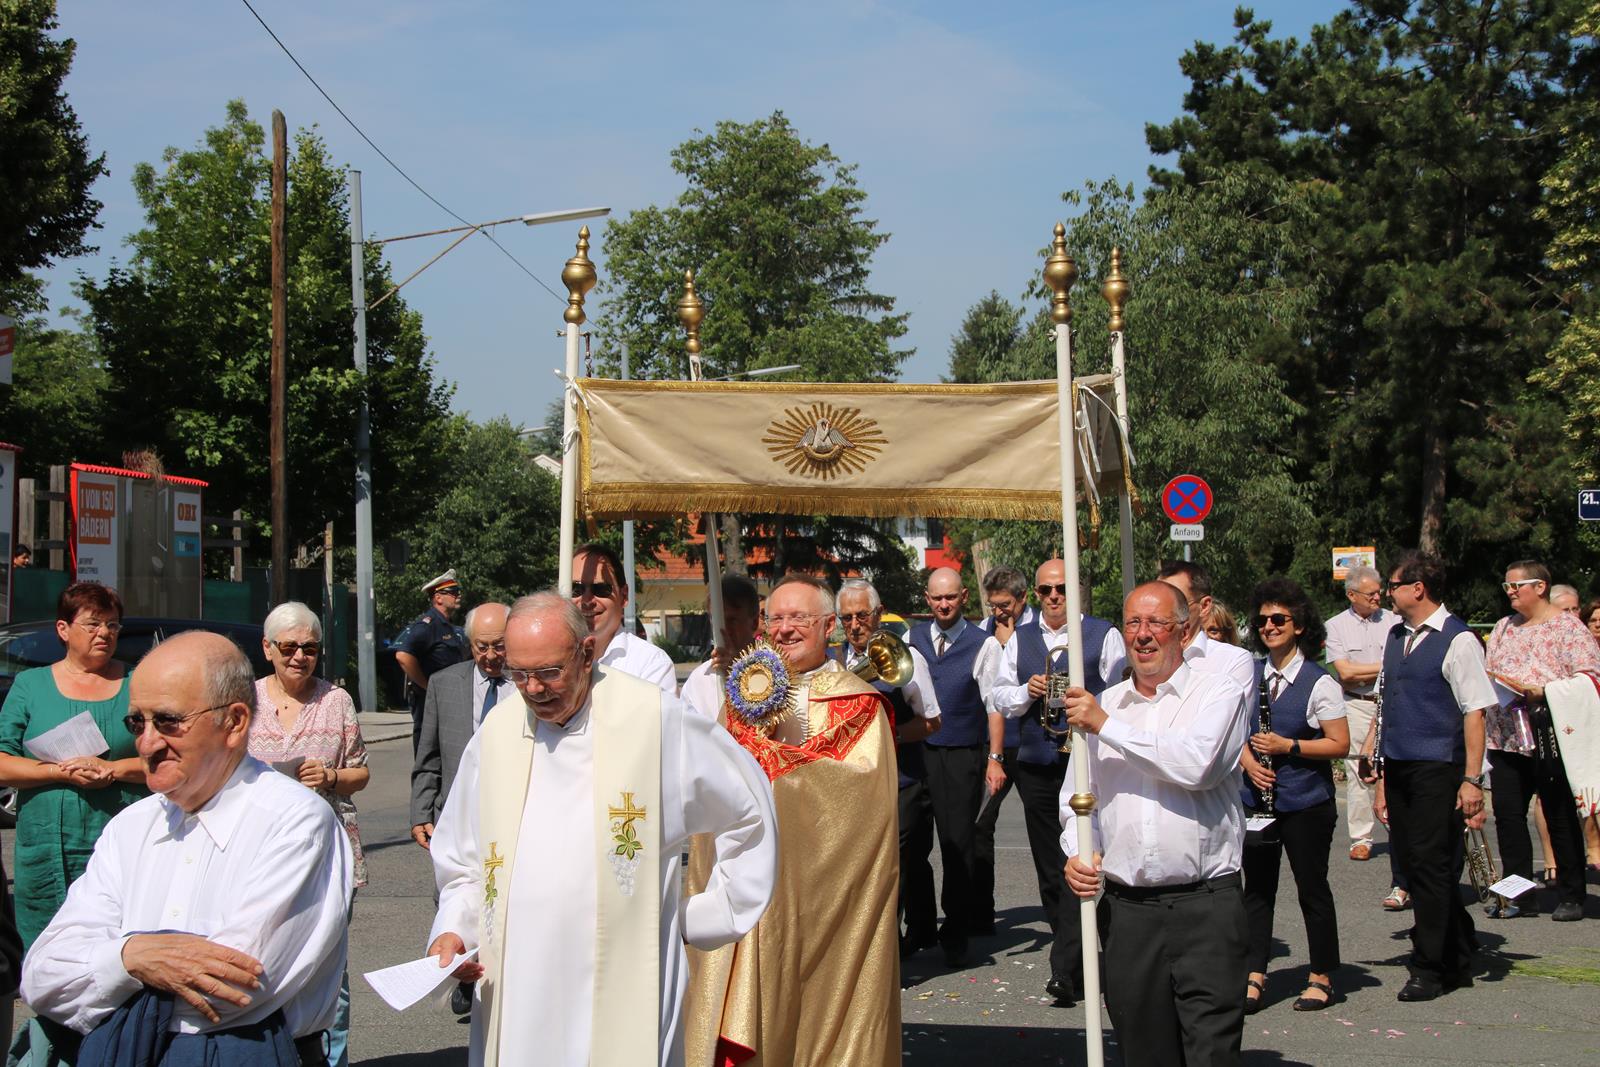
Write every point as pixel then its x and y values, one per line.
pixel 1116 289
pixel 579 277
pixel 691 311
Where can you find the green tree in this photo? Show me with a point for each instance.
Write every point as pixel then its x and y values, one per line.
pixel 55 407
pixel 1429 124
pixel 494 518
pixel 773 228
pixel 1216 290
pixel 45 207
pixel 184 332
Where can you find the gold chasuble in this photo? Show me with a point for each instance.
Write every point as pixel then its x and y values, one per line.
pixel 626 807
pixel 817 982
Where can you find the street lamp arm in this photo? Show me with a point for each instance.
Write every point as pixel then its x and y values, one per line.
pixel 470 231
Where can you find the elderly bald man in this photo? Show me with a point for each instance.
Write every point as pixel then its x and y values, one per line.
pixel 246 873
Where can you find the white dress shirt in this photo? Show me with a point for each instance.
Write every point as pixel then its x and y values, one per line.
pixel 264 867
pixel 1463 664
pixel 480 689
pixel 641 659
pixel 918 691
pixel 1357 640
pixel 1219 657
pixel 1326 701
pixel 1165 770
pixel 708 785
pixel 1009 695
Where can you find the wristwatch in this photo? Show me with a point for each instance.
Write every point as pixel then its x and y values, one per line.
pixel 1473 779
pixel 1294 749
pixel 998 757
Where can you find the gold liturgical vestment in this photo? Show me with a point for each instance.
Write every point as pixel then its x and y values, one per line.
pixel 817 982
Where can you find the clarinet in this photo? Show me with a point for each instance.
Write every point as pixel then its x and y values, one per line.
pixel 1269 794
pixel 1377 730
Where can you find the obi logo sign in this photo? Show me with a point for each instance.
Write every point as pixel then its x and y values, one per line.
pixel 97 511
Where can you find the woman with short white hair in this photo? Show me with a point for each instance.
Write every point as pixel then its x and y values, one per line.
pixel 307 728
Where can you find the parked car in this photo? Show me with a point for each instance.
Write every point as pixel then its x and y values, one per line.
pixel 35 644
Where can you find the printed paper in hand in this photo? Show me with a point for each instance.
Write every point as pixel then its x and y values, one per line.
pixel 1257 823
pixel 1512 886
pixel 291 766
pixel 78 736
pixel 404 984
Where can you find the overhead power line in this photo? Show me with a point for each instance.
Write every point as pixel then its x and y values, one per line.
pixel 385 156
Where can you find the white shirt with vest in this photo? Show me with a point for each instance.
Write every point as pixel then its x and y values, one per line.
pixel 1165 771
pixel 1326 700
pixel 1463 667
pixel 1009 694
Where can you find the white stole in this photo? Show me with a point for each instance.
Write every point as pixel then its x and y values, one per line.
pixel 625 715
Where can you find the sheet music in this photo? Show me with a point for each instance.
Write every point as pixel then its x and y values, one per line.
pixel 1512 885
pixel 78 736
pixel 404 984
pixel 290 766
pixel 1257 823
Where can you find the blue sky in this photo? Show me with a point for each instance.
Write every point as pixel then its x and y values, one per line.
pixel 967 121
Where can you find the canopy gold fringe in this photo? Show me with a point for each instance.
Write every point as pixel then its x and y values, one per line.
pixel 654 499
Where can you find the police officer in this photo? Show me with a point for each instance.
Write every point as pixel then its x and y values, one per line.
pixel 430 643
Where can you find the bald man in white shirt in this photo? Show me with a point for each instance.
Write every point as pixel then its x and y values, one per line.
pixel 1169 841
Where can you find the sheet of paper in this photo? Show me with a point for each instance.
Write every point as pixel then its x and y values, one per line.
pixel 404 984
pixel 78 736
pixel 1257 823
pixel 1504 692
pixel 1512 886
pixel 291 767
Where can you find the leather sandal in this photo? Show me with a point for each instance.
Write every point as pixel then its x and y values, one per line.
pixel 1255 1003
pixel 1311 1003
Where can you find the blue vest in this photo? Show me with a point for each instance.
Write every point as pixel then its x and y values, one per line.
pixel 1302 783
pixel 1025 734
pixel 1421 719
pixel 908 757
pixel 963 718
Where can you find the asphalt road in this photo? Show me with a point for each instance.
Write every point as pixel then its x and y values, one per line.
pixel 1536 999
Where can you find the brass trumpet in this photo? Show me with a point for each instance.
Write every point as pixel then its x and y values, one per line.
pixel 1053 705
pixel 886 658
pixel 1480 865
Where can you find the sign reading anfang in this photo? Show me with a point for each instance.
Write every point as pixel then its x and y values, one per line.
pixel 824 441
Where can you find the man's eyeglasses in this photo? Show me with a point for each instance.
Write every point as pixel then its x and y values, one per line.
pixel 598 590
pixel 167 723
pixel 1370 595
pixel 480 647
pixel 1277 618
pixel 287 649
pixel 797 619
pixel 1133 626
pixel 94 626
pixel 546 675
pixel 1046 590
pixel 857 616
pixel 1511 586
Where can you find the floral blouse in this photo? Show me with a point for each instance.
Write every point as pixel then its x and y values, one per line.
pixel 326 730
pixel 1534 655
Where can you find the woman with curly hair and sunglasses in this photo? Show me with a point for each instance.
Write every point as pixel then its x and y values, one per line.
pixel 1308 732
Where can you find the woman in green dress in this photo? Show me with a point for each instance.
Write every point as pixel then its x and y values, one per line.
pixel 62 806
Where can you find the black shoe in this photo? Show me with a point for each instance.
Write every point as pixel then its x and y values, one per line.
pixel 1062 991
pixel 911 944
pixel 461 998
pixel 1567 912
pixel 1419 988
pixel 981 929
pixel 955 955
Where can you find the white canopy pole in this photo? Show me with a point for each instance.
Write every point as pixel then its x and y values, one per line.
pixel 579 277
pixel 691 310
pixel 1059 274
pixel 1115 289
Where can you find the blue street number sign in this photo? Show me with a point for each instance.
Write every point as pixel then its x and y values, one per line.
pixel 1186 499
pixel 1589 505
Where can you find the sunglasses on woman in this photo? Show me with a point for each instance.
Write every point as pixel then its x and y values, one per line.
pixel 287 649
pixel 1277 618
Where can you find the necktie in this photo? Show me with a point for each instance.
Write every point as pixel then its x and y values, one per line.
pixel 1277 687
pixel 938 649
pixel 1416 635
pixel 491 697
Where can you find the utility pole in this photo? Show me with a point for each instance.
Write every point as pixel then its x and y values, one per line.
pixel 366 606
pixel 277 375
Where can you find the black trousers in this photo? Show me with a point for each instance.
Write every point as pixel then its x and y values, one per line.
pixel 916 873
pixel 1425 830
pixel 1173 990
pixel 1305 837
pixel 983 852
pixel 1517 779
pixel 955 787
pixel 1039 787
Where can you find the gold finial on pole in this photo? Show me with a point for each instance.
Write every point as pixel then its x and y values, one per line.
pixel 1060 271
pixel 579 277
pixel 1116 289
pixel 690 312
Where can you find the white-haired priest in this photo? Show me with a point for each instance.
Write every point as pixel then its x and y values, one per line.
pixel 210 924
pixel 557 854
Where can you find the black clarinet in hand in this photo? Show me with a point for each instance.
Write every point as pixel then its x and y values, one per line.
pixel 1268 794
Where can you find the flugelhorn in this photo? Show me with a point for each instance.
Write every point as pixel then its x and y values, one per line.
pixel 886 659
pixel 1053 705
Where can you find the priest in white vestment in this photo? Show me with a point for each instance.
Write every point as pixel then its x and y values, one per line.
pixel 573 800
